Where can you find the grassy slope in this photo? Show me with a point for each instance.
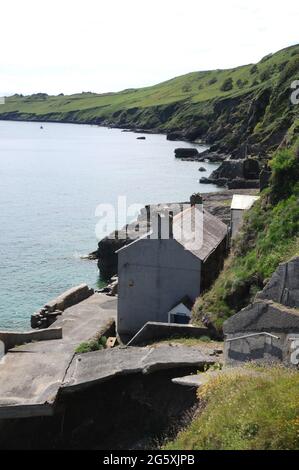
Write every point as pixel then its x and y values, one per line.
pixel 245 411
pixel 270 235
pixel 180 100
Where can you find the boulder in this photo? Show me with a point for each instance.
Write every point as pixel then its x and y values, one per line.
pixel 202 169
pixel 186 152
pixel 236 174
pixel 229 169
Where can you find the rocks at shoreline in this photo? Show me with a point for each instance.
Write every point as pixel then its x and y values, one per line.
pixel 186 152
pixel 111 288
pixel 47 315
pixel 193 155
pixel 235 174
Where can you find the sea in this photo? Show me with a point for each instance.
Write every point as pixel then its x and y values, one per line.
pixel 55 180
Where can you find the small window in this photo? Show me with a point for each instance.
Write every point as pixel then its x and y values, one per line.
pixel 131 283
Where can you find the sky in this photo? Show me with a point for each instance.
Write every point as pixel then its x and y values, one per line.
pixel 63 46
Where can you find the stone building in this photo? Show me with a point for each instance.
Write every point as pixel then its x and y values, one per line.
pixel 169 264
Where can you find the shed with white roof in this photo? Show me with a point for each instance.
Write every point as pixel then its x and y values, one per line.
pixel 240 204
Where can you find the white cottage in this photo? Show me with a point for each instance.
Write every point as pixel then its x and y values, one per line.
pixel 157 273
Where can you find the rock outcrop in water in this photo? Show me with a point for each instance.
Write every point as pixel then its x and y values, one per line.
pixel 236 174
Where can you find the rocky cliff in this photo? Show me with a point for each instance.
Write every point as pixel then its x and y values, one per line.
pixel 252 115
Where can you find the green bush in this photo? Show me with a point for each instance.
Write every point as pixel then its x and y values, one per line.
pixel 93 345
pixel 227 85
pixel 285 174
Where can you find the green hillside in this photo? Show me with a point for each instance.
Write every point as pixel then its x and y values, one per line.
pixel 268 236
pixel 221 106
pixel 254 408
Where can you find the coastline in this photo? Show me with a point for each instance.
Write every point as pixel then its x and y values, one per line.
pixel 48 254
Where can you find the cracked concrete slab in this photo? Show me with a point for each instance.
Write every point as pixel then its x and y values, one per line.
pixel 31 374
pixel 99 366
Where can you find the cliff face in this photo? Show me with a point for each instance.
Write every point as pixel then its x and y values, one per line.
pixel 242 110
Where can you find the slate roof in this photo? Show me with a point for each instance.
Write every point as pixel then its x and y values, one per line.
pixel 196 230
pixel 209 231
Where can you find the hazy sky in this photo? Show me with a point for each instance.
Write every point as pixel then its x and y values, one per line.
pixel 108 45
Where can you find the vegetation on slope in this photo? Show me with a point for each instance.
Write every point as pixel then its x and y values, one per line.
pixel 222 106
pixel 269 235
pixel 92 345
pixel 256 409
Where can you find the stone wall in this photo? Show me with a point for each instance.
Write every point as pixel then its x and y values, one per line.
pixel 10 339
pixel 155 331
pixel 48 314
pixel 274 347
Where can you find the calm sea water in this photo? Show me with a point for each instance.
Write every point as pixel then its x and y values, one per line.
pixel 51 181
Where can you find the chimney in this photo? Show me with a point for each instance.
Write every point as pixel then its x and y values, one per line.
pixel 163 228
pixel 196 199
pixel 170 219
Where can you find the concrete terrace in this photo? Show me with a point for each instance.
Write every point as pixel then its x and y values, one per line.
pixel 32 374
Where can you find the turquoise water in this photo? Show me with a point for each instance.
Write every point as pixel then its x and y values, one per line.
pixel 51 181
